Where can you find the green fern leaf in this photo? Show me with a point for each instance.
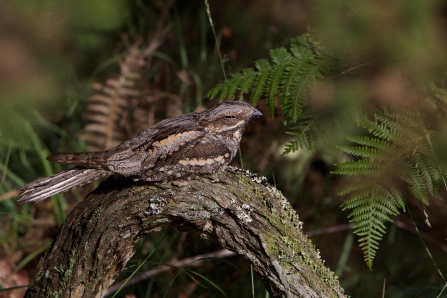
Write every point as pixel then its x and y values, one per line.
pixel 288 78
pixel 214 91
pixel 398 148
pixel 352 168
pixel 249 78
pixel 295 107
pixel 303 132
pixel 236 80
pixel 264 69
pixel 381 131
pixel 281 58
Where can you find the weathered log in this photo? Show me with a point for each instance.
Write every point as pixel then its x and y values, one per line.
pixel 233 209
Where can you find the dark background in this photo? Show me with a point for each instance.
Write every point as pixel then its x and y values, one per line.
pixel 53 52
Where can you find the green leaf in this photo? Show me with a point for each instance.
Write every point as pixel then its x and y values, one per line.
pixel 397 148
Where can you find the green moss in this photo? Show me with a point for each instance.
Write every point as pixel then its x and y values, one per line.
pixel 65 275
pixel 39 276
pixel 71 262
pixel 96 216
pixel 297 256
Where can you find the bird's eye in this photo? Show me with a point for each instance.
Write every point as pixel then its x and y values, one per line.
pixel 230 116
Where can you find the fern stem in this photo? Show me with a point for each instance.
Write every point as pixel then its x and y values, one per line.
pixel 208 13
pixel 346 250
pixel 140 265
pixel 425 245
pixel 252 282
pixel 439 295
pixel 240 157
pixel 5 164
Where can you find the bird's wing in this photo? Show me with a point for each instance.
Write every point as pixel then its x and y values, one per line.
pixel 207 149
pixel 134 161
pixel 162 130
pixel 158 141
pixel 200 155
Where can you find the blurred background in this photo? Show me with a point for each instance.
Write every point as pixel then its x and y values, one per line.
pixel 87 75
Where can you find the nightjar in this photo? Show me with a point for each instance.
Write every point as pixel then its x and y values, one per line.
pixel 176 148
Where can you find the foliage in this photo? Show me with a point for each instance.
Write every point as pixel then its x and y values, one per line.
pixel 397 151
pixel 287 79
pixel 120 108
pixel 398 147
pixel 49 58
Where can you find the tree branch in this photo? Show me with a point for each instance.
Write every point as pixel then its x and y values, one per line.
pixel 192 261
pixel 232 209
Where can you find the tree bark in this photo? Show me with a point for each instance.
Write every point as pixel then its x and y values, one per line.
pixel 233 208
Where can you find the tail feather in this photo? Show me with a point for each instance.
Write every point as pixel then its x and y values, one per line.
pixel 44 188
pixel 96 160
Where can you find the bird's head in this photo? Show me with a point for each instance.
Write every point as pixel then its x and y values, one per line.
pixel 227 117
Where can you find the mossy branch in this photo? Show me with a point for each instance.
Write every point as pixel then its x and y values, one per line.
pixel 232 209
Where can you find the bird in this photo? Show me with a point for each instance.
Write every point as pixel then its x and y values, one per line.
pixel 177 148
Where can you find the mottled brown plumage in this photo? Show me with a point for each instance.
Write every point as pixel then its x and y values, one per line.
pixel 176 148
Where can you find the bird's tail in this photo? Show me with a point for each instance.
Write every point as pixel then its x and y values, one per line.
pixel 94 160
pixel 64 181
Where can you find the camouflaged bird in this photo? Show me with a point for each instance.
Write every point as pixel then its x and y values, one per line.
pixel 176 148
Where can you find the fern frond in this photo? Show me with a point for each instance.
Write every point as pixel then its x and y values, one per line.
pixel 381 145
pixel 303 132
pixel 294 107
pixel 287 76
pixel 363 184
pixel 237 81
pixel 263 67
pixel 371 230
pixel 398 146
pixel 250 77
pixel 416 184
pixel 373 201
pixel 292 97
pixel 427 172
pixel 124 106
pixel 106 109
pixel 379 130
pixel 281 58
pixel 360 167
pixel 365 152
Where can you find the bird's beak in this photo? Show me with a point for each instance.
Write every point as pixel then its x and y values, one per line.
pixel 256 113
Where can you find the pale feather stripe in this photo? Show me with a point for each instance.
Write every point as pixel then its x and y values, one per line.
pixel 50 186
pixel 54 189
